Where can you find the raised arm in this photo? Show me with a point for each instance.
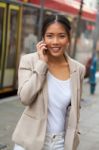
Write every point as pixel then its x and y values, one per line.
pixel 30 79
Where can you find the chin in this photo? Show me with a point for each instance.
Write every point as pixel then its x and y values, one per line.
pixel 56 54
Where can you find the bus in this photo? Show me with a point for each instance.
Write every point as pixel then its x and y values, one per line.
pixel 19 24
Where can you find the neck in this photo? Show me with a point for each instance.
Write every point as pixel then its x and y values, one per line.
pixel 56 60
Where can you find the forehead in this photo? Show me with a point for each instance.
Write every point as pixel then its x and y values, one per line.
pixel 56 27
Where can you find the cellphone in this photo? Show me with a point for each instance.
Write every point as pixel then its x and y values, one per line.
pixel 45 51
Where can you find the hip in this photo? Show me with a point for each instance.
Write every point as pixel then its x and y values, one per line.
pixel 53 141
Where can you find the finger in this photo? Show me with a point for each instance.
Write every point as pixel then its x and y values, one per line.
pixel 39 43
pixel 42 50
pixel 41 47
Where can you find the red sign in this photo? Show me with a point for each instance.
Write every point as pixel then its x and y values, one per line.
pixel 65 7
pixel 78 1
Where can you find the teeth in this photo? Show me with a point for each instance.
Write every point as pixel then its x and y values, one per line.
pixel 56 48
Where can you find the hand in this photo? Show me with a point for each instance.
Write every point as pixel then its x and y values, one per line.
pixel 42 51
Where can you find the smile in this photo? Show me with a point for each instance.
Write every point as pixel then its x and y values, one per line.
pixel 55 48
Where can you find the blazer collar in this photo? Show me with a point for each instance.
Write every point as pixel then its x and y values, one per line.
pixel 71 63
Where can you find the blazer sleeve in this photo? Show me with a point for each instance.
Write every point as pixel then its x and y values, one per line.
pixel 30 79
pixel 82 74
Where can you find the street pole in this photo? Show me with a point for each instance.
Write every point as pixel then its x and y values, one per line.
pixel 96 32
pixel 41 18
pixel 77 28
pixel 95 52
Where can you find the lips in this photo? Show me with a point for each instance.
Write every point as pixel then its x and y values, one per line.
pixel 55 49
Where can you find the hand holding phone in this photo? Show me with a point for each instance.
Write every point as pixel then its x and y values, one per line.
pixel 42 51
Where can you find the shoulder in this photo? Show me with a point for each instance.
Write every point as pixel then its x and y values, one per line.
pixel 27 60
pixel 29 56
pixel 79 67
pixel 75 64
pixel 31 61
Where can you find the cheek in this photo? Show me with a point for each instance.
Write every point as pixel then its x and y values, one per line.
pixel 65 42
pixel 47 42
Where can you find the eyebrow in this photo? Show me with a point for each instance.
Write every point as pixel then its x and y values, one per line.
pixel 58 33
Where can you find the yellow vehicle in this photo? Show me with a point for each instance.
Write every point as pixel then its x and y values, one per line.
pixel 9 45
pixel 19 24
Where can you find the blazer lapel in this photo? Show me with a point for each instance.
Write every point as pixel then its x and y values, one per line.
pixel 73 75
pixel 45 95
pixel 72 118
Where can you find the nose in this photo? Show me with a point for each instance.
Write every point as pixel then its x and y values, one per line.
pixel 55 40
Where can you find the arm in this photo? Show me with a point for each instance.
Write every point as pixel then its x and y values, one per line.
pixel 30 80
pixel 82 71
pixel 82 74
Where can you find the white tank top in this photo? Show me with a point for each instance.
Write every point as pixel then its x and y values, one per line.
pixel 59 95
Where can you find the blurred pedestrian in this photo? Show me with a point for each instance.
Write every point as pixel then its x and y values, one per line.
pixel 92 75
pixel 50 85
pixel 88 64
pixel 29 43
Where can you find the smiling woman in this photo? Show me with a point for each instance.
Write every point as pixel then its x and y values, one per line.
pixel 56 38
pixel 48 85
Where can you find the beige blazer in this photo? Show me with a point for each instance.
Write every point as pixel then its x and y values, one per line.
pixel 31 128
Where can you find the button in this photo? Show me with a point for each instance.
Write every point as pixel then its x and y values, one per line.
pixel 54 136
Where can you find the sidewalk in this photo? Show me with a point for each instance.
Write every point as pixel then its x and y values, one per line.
pixel 11 110
pixel 89 120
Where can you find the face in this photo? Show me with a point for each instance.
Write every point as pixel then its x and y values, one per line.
pixel 56 39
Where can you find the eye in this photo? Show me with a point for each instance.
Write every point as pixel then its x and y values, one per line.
pixel 63 35
pixel 49 35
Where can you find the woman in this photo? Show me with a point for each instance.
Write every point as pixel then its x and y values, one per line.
pixel 50 86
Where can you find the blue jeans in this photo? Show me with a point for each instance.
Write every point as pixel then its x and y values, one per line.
pixel 54 142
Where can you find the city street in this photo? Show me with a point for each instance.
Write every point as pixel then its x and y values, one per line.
pixel 11 110
pixel 50 28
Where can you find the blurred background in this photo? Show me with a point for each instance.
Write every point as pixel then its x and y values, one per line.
pixel 20 27
pixel 20 30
